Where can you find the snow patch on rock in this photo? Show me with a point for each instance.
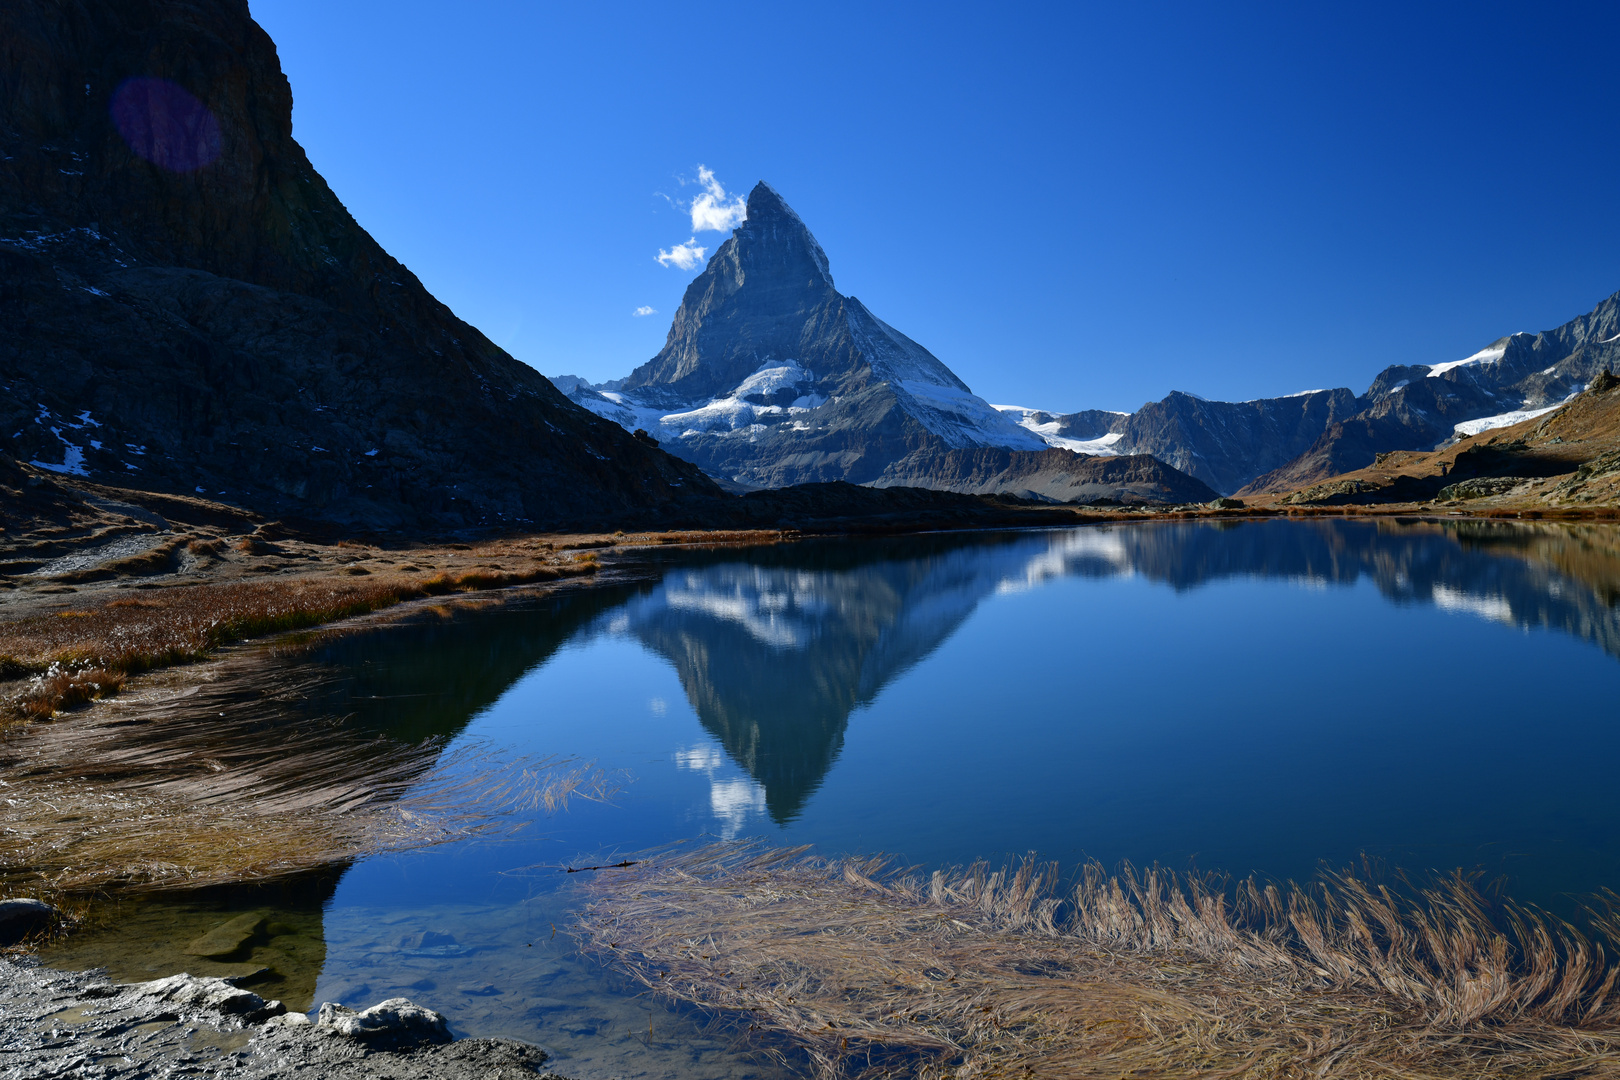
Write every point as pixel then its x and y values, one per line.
pixel 1501 420
pixel 1484 356
pixel 1048 431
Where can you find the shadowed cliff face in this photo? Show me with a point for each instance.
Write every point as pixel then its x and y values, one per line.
pixel 186 306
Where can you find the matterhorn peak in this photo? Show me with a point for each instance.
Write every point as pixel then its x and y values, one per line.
pixel 773 226
pixel 770 377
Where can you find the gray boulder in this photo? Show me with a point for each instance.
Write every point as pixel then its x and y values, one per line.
pixel 23 916
pixel 394 1024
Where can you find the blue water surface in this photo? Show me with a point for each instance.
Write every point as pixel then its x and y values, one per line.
pixel 1268 698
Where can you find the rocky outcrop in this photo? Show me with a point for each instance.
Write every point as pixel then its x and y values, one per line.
pixel 55 1023
pixel 186 306
pixel 22 916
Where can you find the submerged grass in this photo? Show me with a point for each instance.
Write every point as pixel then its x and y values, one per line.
pixel 74 656
pixel 975 973
pixel 227 783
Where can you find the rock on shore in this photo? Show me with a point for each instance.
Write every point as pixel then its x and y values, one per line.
pixel 62 1024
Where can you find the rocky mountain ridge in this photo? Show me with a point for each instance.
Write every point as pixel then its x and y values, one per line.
pixel 1282 443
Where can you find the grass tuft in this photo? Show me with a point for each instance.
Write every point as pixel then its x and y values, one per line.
pixel 233 783
pixel 982 973
pixel 130 636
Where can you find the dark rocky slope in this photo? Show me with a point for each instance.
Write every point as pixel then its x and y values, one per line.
pixel 185 306
pixel 1049 475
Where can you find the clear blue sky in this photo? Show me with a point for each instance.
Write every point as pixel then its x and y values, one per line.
pixel 1072 205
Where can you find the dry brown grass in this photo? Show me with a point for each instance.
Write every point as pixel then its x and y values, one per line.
pixel 57 690
pixel 981 974
pixel 64 650
pixel 225 784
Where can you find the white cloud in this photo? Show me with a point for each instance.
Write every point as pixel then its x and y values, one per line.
pixel 646 309
pixel 686 256
pixel 713 211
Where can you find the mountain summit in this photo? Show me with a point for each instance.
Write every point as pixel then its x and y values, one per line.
pixel 759 291
pixel 771 377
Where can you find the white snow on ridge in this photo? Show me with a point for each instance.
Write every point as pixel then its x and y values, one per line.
pixel 1484 356
pixel 733 413
pixel 729 413
pixel 1048 432
pixel 773 377
pixel 72 462
pixel 1501 420
pixel 964 419
pixel 1102 446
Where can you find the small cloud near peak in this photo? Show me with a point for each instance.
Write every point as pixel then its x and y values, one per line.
pixel 714 210
pixel 686 256
pixel 645 309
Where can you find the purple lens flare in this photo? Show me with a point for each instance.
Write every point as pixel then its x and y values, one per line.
pixel 165 125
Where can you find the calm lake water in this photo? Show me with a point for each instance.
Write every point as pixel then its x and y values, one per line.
pixel 1264 697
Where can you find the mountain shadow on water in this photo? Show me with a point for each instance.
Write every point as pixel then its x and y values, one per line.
pixel 428 675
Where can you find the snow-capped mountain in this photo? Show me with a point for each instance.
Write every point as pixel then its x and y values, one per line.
pixel 771 377
pixel 1276 444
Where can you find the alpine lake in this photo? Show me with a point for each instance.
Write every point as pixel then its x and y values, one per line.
pixel 1249 697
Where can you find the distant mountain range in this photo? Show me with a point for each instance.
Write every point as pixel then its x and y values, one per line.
pixel 1282 443
pixel 771 377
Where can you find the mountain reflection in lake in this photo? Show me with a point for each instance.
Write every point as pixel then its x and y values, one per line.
pixel 1252 697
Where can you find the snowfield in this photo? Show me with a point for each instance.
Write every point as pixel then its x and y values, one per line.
pixel 1484 356
pixel 1103 446
pixel 1488 423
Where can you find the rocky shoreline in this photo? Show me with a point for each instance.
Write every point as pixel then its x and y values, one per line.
pixel 83 1025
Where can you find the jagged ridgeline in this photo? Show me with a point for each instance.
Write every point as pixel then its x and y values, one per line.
pixel 185 305
pixel 771 377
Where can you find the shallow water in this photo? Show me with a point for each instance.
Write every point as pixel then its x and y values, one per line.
pixel 1261 697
